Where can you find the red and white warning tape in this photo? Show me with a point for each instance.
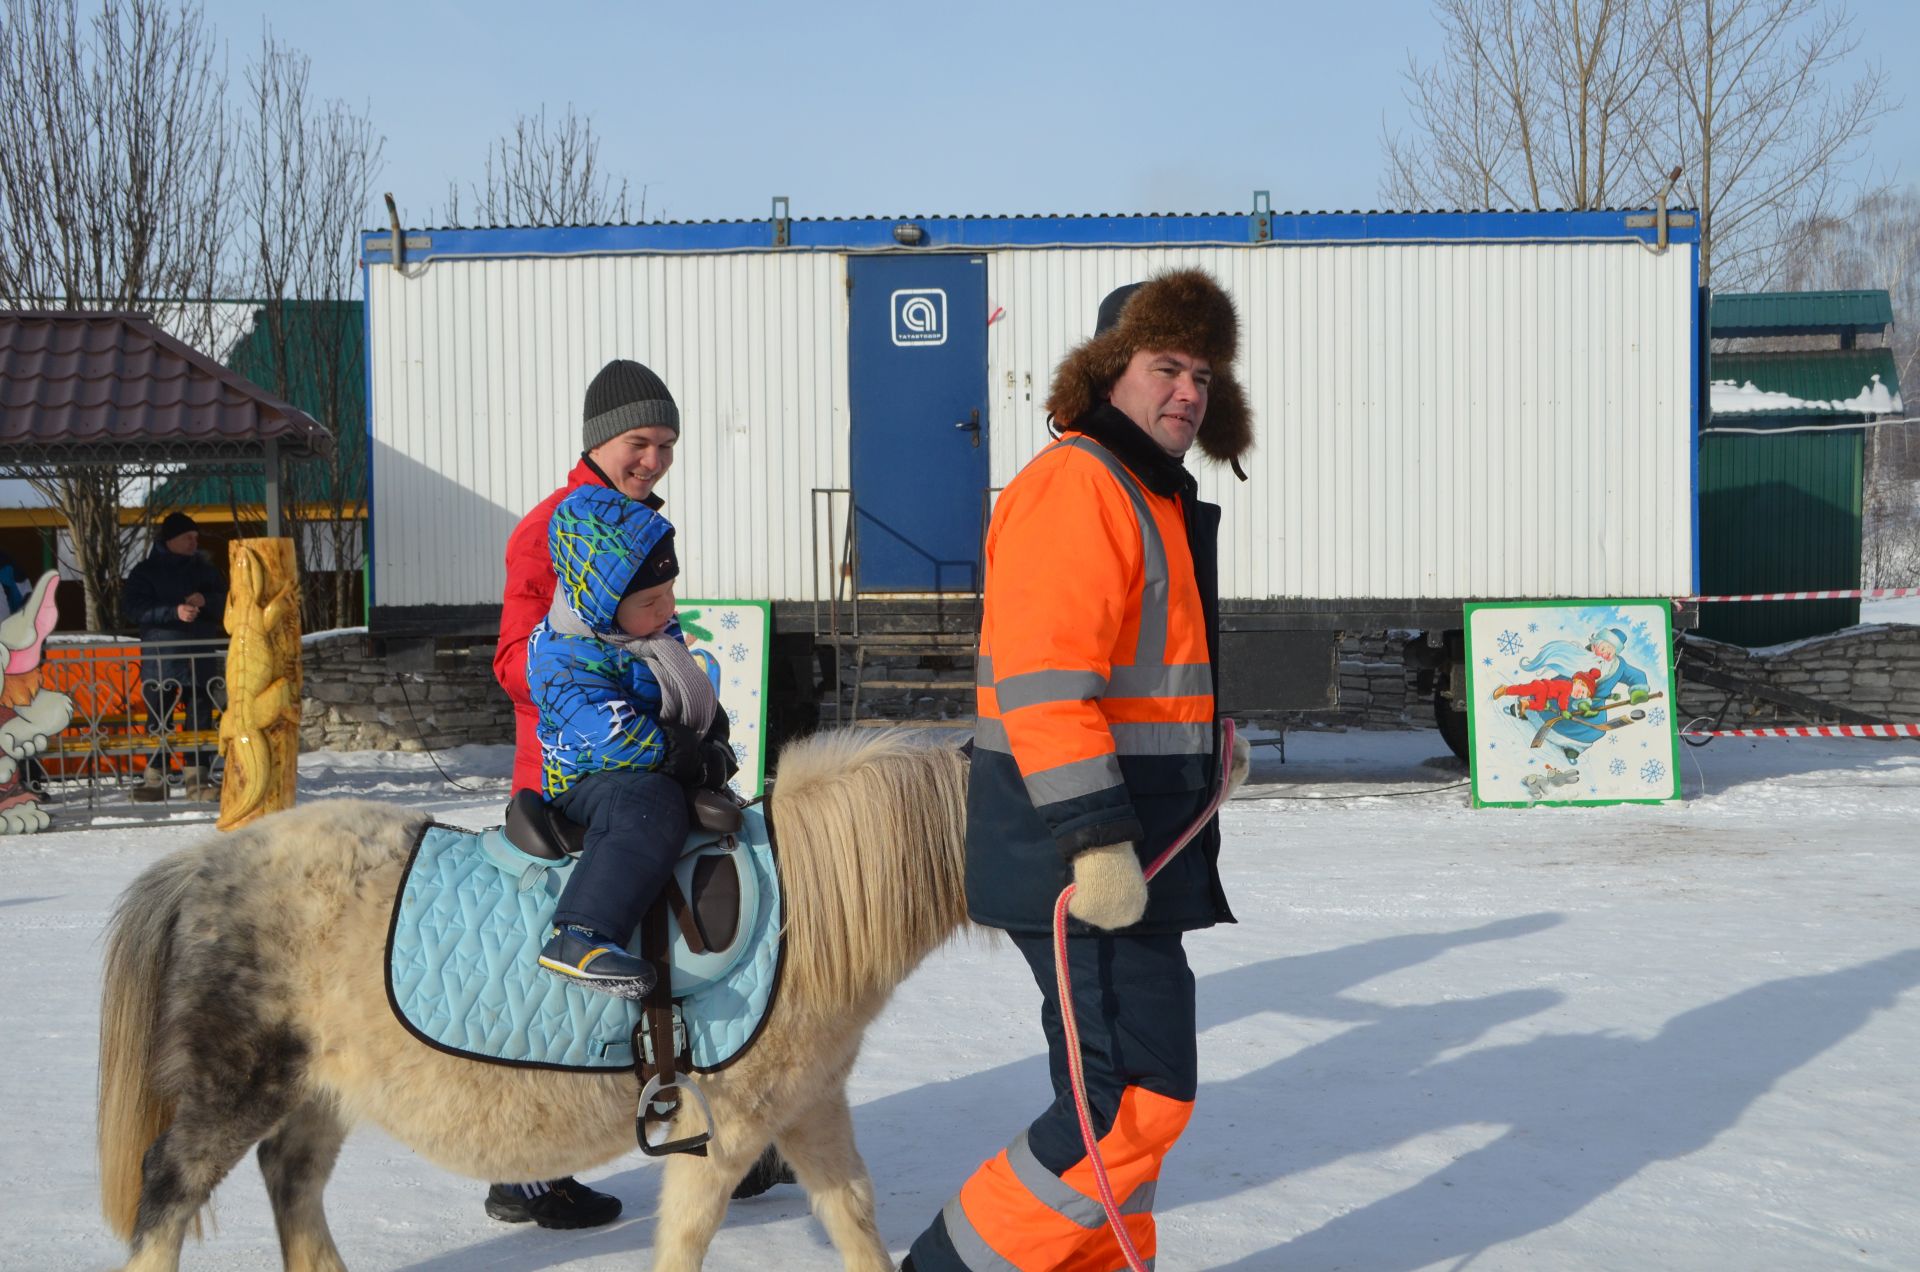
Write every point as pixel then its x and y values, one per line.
pixel 1841 594
pixel 1813 731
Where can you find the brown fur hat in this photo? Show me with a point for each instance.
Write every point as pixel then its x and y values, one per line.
pixel 1185 311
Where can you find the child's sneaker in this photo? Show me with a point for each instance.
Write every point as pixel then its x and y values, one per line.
pixel 593 962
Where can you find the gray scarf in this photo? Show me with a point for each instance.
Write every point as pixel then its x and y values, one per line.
pixel 686 695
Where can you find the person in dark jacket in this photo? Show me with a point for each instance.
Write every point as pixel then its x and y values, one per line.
pixel 176 595
pixel 1095 746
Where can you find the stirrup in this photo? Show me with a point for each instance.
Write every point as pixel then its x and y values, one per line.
pixel 657 1085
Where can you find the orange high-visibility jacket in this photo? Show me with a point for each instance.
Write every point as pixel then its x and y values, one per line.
pixel 1096 671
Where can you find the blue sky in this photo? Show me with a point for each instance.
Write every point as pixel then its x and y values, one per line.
pixel 881 109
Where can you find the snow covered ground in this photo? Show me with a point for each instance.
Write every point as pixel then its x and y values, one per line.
pixel 1897 609
pixel 1676 1037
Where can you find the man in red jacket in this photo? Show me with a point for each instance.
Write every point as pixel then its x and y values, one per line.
pixel 629 428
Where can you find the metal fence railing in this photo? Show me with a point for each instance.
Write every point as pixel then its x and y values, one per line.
pixel 146 714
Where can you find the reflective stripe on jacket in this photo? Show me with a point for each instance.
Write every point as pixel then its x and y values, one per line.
pixel 1095 686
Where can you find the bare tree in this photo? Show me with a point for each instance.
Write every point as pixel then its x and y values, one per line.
pixel 546 174
pixel 113 168
pixel 309 170
pixel 1585 103
pixel 1532 104
pixel 1876 244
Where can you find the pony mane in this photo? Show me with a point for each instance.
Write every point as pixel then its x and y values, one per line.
pixel 871 826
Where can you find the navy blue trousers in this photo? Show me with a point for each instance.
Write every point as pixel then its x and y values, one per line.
pixel 636 824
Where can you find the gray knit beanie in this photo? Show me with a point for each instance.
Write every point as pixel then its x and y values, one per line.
pixel 626 395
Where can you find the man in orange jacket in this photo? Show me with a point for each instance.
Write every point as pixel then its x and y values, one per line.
pixel 1096 746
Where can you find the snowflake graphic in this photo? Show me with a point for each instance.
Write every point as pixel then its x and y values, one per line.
pixel 1510 643
pixel 737 652
pixel 735 682
pixel 1533 627
pixel 733 717
pixel 1486 662
pixel 1652 771
pixel 740 752
pixel 1657 716
pixel 1617 767
pixel 730 619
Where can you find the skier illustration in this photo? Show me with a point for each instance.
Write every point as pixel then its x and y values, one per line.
pixel 1569 705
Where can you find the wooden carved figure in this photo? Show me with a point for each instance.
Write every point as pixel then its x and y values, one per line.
pixel 260 732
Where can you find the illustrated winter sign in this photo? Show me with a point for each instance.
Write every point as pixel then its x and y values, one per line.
pixel 732 639
pixel 1572 702
pixel 31 717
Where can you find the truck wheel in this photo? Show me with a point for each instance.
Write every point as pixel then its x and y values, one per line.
pixel 1452 724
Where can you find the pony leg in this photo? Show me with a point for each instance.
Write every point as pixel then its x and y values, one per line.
pixel 297 1160
pixel 694 1196
pixel 819 1146
pixel 178 1175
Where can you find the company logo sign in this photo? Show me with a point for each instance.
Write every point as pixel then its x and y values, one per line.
pixel 919 316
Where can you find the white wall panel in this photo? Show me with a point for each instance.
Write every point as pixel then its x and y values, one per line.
pixel 1433 420
pixel 480 368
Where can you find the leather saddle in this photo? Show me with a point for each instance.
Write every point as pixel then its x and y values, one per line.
pixel 709 917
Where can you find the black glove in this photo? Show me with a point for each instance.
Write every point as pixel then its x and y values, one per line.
pixel 684 755
pixel 720 765
pixel 717 751
pixel 696 762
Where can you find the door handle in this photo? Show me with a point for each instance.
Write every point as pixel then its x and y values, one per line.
pixel 971 425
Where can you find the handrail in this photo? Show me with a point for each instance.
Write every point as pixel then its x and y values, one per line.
pixel 848 563
pixel 115 685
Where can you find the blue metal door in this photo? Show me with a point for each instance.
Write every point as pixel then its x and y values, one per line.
pixel 917 384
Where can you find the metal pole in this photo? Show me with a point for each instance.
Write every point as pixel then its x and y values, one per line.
pixel 271 464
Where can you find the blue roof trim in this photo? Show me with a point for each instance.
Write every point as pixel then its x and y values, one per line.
pixel 982 233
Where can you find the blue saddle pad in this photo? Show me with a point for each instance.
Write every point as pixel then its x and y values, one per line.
pixel 462 957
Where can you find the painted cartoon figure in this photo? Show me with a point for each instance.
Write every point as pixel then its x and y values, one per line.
pixel 30 717
pixel 1611 682
pixel 1534 695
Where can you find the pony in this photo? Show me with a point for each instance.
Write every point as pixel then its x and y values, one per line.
pixel 245 1003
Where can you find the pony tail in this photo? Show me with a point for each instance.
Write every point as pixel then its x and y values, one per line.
pixel 132 1114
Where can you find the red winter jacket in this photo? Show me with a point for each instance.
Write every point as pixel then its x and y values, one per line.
pixel 528 596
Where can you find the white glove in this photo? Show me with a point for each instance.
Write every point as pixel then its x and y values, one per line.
pixel 24 819
pixel 35 723
pixel 1109 889
pixel 1238 767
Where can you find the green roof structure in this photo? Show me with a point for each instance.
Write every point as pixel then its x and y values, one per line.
pixel 1780 467
pixel 325 376
pixel 1815 313
pixel 1816 384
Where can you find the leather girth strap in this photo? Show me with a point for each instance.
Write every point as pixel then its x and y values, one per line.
pixel 653 1033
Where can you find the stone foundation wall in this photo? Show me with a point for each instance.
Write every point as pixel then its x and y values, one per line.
pixel 351 701
pixel 1872 670
pixel 1377 689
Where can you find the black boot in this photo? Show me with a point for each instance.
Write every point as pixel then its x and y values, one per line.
pixel 766 1172
pixel 567 1203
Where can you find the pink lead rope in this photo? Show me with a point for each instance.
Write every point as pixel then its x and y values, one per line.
pixel 1076 1073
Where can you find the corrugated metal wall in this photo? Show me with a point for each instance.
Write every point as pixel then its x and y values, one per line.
pixel 1779 514
pixel 1435 420
pixel 478 373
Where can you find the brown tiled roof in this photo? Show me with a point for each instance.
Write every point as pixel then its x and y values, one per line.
pixel 77 387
